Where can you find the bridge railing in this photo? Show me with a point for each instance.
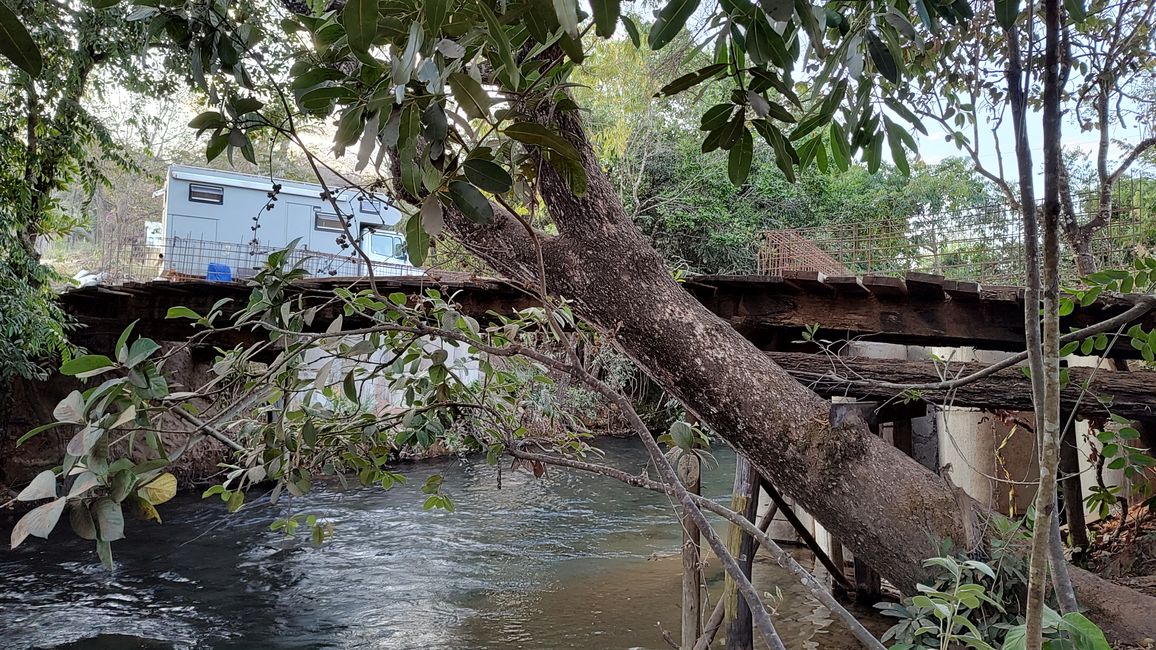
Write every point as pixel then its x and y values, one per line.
pixel 185 258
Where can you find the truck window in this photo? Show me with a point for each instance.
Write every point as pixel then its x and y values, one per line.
pixel 326 221
pixel 201 193
pixel 387 245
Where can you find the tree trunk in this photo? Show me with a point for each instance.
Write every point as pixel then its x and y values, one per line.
pixel 744 500
pixel 690 473
pixel 881 504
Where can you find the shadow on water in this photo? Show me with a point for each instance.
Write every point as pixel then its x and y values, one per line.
pixel 568 561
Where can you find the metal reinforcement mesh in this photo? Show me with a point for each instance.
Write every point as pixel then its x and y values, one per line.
pixel 982 244
pixel 180 257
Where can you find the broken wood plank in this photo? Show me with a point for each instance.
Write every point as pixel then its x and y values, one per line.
pixel 847 285
pixel 925 286
pixel 886 287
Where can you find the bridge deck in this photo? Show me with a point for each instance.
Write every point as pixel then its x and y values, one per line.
pixel 918 309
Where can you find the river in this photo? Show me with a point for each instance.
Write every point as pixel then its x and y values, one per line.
pixel 567 561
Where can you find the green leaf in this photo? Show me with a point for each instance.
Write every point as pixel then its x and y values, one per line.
pixel 1078 13
pixel 81 520
pixel 488 175
pixel 540 136
pixel 632 31
pixel 670 21
pixel 785 155
pixel 416 241
pixel 121 348
pixel 606 14
pixel 38 430
pixel 86 366
pixel 500 41
pixel 690 80
pixel 208 120
pixel 349 387
pixel 109 519
pixel 360 21
pixel 1006 12
pixel 470 95
pixel 895 142
pixel 840 149
pixel 435 15
pixel 471 202
pixel 682 434
pixel 140 350
pixel 881 55
pixel 739 159
pixel 182 312
pixel 874 153
pixel 16 43
pixel 716 116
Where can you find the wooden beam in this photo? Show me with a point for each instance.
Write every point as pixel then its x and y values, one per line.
pixel 1129 393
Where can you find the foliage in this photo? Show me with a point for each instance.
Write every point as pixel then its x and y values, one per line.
pixel 978 604
pixel 327 405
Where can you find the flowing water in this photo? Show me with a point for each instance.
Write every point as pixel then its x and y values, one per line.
pixel 567 561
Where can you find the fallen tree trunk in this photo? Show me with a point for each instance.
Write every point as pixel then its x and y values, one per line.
pixel 884 506
pixel 1127 394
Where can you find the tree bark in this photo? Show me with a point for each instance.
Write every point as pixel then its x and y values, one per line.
pixel 881 504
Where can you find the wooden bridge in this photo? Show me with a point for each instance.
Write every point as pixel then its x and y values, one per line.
pixel 771 311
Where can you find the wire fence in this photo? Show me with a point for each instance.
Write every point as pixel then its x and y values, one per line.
pixel 185 258
pixel 982 243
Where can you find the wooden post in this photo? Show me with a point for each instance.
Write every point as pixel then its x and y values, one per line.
pixel 868 585
pixel 689 471
pixel 745 501
pixel 1073 489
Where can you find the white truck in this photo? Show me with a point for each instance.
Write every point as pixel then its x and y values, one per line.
pixel 222 225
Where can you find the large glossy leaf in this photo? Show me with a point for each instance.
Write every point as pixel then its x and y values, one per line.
pixel 435 14
pixel 360 21
pixel 471 202
pixel 16 43
pixel 540 136
pixel 470 95
pixel 86 366
pixel 416 241
pixel 840 148
pixel 690 80
pixel 501 43
pixel 488 175
pixel 81 520
pixel 881 55
pixel 896 137
pixel 739 160
pixel 606 14
pixel 670 21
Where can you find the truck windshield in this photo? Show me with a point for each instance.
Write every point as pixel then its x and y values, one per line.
pixel 387 245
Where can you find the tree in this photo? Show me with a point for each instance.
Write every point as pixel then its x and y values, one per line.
pixel 1107 63
pixel 419 84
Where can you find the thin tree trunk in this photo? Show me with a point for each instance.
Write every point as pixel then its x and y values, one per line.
pixel 690 472
pixel 1043 547
pixel 744 500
